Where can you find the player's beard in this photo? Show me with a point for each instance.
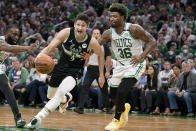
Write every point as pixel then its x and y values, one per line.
pixel 10 41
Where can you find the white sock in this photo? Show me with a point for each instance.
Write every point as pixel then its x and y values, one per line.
pixel 43 113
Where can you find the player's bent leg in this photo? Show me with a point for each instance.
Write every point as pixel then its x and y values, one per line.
pixel 65 102
pixel 66 85
pixel 51 92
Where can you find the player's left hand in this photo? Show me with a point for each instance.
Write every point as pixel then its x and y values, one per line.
pixel 135 60
pixel 84 55
pixel 101 81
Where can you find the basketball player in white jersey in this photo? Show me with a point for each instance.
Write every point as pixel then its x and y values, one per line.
pixel 127 44
pixel 8 44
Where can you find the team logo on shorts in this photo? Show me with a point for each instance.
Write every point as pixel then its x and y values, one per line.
pixel 84 45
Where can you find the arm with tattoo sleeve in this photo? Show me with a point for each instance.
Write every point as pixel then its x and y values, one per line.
pixel 139 33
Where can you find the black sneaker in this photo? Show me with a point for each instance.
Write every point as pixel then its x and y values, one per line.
pixel 79 110
pixel 20 123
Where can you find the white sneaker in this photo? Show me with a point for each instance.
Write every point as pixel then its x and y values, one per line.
pixel 35 123
pixel 63 106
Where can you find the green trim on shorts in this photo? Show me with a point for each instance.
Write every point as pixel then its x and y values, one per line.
pixel 114 86
pixel 137 72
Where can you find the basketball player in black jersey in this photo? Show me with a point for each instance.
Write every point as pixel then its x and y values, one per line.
pixel 74 42
pixel 8 45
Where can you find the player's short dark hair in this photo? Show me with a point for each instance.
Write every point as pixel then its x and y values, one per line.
pixel 120 8
pixel 83 17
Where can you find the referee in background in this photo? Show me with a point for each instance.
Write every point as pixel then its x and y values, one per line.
pixel 93 73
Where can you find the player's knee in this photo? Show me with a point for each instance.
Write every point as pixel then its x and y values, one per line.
pixel 51 92
pixel 67 84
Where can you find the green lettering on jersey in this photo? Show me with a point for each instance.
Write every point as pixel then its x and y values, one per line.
pixel 125 52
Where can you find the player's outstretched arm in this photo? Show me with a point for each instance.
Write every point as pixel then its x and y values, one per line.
pixel 94 45
pixel 139 33
pixel 4 46
pixel 58 39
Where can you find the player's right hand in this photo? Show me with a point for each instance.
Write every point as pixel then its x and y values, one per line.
pixel 101 81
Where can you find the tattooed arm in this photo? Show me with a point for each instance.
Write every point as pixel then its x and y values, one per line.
pixel 4 46
pixel 139 33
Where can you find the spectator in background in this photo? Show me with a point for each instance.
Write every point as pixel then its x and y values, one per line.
pixel 173 41
pixel 17 79
pixel 33 87
pixel 192 63
pixel 178 61
pixel 156 54
pixel 186 85
pixel 189 35
pixel 52 34
pixel 149 94
pixel 22 39
pixel 164 75
pixel 185 55
pixel 172 81
pixel 27 28
pixel 162 46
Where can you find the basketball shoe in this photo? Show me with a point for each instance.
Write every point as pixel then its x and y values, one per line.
pixel 63 106
pixel 124 115
pixel 19 121
pixel 35 123
pixel 113 125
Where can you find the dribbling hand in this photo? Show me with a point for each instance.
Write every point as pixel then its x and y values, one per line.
pixel 101 81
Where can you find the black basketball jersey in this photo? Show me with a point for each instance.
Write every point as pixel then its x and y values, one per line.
pixel 70 62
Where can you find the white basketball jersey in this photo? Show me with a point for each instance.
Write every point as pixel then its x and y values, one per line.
pixel 3 56
pixel 124 45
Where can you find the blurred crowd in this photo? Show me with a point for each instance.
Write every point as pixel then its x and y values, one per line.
pixel 171 22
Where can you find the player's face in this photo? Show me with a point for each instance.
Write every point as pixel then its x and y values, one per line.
pixel 80 27
pixel 96 33
pixel 116 19
pixel 14 35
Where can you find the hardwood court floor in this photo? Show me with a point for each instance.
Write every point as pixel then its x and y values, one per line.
pixel 71 121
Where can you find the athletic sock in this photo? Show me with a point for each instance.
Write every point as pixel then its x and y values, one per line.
pixel 43 113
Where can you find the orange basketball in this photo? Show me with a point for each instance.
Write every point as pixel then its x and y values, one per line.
pixel 44 64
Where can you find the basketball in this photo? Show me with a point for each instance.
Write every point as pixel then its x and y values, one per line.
pixel 44 64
